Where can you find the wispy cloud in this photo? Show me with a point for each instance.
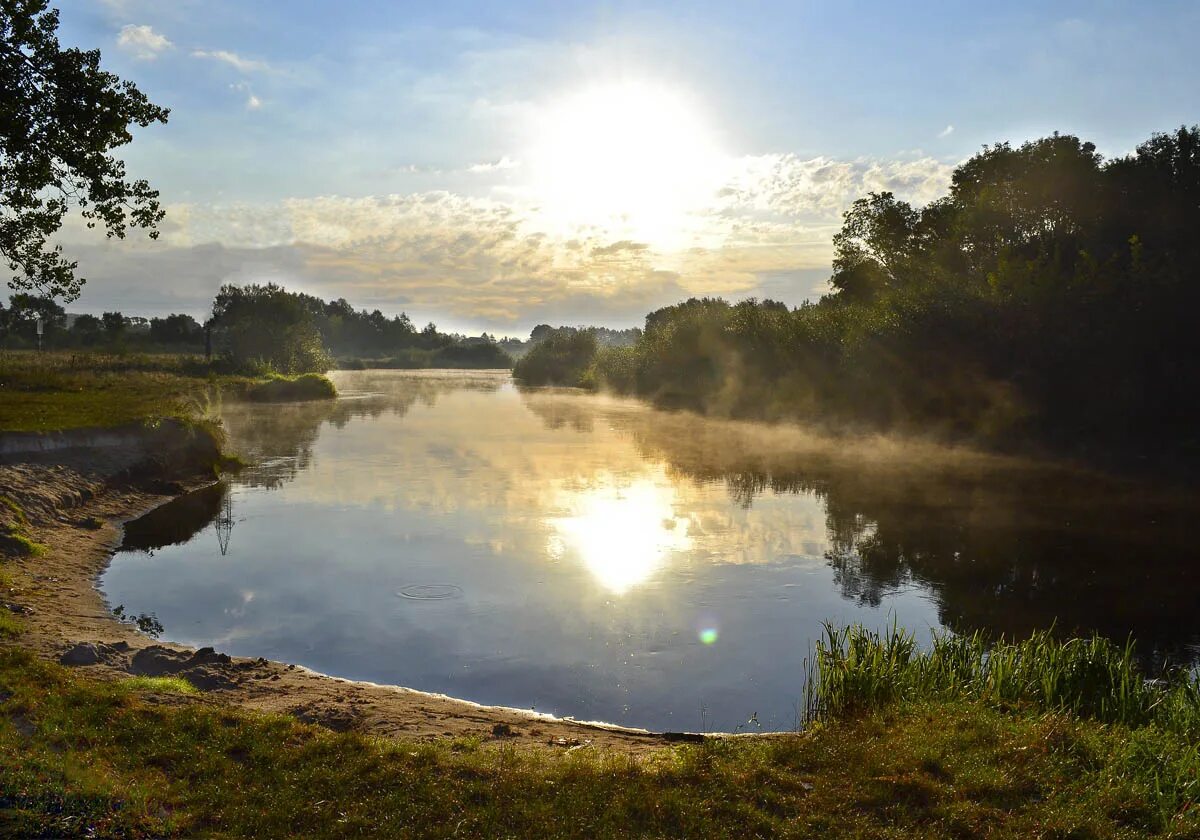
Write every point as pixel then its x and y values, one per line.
pixel 488 262
pixel 253 103
pixel 494 165
pixel 946 132
pixel 245 65
pixel 142 42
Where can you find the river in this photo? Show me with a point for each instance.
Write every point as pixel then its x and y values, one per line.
pixel 598 558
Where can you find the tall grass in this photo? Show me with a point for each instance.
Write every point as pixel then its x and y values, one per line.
pixel 854 669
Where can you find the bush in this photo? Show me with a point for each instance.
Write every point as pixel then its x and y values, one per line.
pixel 308 386
pixel 562 358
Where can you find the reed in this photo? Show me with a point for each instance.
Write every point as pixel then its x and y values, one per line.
pixel 854 669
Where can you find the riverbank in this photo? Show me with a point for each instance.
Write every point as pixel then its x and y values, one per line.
pixel 75 499
pixel 136 738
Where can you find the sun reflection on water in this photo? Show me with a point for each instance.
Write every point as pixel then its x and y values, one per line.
pixel 622 532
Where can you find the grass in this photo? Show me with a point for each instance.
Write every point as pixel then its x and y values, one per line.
pixel 10 626
pixel 14 536
pixel 77 757
pixel 159 685
pixel 277 388
pixel 55 391
pixel 1087 677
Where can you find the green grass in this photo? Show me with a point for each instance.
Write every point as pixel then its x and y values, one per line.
pixel 54 391
pixel 10 626
pixel 161 685
pixel 277 388
pixel 14 536
pixel 79 757
pixel 856 669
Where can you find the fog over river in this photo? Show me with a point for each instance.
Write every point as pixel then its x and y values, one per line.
pixel 599 558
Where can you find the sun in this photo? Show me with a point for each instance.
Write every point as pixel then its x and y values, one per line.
pixel 630 156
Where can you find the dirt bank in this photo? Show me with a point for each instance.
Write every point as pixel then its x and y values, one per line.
pixel 77 493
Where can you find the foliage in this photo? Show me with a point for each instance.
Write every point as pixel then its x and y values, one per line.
pixel 81 757
pixel 159 685
pixel 49 391
pixel 175 329
pixel 856 669
pixel 14 531
pixel 1048 299
pixel 308 386
pixel 560 358
pixel 61 119
pixel 264 329
pixel 256 325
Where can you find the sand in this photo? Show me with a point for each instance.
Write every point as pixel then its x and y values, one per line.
pixel 77 500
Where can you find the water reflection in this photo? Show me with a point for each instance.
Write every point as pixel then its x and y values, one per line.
pixel 622 531
pixel 176 522
pixel 1004 546
pixel 613 561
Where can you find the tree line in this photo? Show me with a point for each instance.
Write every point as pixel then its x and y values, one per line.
pixel 257 328
pixel 1048 298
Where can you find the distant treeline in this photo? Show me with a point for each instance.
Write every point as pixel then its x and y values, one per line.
pixel 289 332
pixel 1051 297
pixel 112 330
pixel 600 336
pixel 257 328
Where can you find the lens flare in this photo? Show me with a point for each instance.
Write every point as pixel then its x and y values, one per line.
pixel 708 635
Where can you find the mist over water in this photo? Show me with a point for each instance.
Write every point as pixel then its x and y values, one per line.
pixel 599 558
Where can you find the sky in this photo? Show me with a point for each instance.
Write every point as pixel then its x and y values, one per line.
pixel 492 166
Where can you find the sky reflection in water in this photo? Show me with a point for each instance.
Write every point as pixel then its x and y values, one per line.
pixel 597 558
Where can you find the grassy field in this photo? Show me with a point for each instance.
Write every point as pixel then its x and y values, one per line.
pixel 53 391
pixel 80 758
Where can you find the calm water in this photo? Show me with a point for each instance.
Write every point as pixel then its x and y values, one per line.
pixel 597 558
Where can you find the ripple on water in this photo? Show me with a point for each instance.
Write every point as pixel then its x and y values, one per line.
pixel 431 592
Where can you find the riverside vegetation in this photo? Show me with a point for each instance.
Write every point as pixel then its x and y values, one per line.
pixel 925 758
pixel 1046 301
pixel 55 391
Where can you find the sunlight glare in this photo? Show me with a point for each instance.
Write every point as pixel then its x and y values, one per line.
pixel 622 534
pixel 632 154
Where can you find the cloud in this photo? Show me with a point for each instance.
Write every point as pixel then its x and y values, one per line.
pixel 786 186
pixel 617 247
pixel 492 166
pixel 253 103
pixel 245 65
pixel 490 262
pixel 142 42
pixel 947 131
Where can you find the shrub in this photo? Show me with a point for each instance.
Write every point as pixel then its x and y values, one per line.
pixel 562 358
pixel 308 386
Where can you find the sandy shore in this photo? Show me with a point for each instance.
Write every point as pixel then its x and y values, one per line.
pixel 77 500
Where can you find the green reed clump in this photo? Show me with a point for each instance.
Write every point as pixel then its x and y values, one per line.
pixel 856 669
pixel 307 386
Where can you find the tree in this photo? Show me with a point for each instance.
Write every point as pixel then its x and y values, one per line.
pixel 265 328
pixel 24 311
pixel 875 246
pixel 60 118
pixel 86 326
pixel 114 323
pixel 174 329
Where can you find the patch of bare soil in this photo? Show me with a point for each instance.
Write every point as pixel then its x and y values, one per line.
pixel 77 500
